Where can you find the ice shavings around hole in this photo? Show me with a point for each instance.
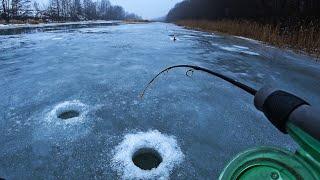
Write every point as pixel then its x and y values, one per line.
pixel 74 105
pixel 165 145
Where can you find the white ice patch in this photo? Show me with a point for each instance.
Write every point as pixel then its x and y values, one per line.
pixel 165 145
pixel 135 67
pixel 188 36
pixel 93 30
pixel 211 35
pixel 251 53
pixel 241 49
pixel 75 105
pixel 57 38
pixel 248 39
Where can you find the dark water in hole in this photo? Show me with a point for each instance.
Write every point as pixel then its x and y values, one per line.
pixel 146 159
pixel 106 68
pixel 68 114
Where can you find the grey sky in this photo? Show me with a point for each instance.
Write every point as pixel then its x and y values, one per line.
pixel 146 8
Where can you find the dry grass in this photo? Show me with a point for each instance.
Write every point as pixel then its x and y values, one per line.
pixel 135 21
pixel 27 21
pixel 303 39
pixel 2 21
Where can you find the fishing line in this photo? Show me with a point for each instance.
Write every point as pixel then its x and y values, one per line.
pixel 189 72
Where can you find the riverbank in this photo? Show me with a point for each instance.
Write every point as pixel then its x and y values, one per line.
pixel 26 21
pixel 39 25
pixel 14 26
pixel 305 40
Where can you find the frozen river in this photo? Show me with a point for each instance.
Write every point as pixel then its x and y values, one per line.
pixel 196 123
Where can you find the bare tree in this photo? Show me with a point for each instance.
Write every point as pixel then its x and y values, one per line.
pixel 5 10
pixel 54 9
pixel 36 9
pixel 103 8
pixel 65 10
pixel 25 8
pixel 76 10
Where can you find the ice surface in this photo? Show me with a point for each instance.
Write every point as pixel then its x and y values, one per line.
pixel 57 38
pixel 14 26
pixel 101 70
pixel 49 127
pixel 165 145
pixel 241 49
pixel 211 35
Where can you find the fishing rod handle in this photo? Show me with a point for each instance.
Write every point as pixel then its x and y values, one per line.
pixel 281 107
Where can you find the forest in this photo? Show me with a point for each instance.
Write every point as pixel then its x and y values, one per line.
pixel 264 10
pixel 62 10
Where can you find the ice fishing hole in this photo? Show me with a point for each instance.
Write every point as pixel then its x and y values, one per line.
pixel 68 114
pixel 146 158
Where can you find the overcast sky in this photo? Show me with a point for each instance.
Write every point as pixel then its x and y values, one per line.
pixel 148 9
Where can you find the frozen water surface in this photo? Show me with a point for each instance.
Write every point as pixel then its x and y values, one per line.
pixel 100 70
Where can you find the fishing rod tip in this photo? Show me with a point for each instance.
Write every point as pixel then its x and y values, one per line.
pixel 141 95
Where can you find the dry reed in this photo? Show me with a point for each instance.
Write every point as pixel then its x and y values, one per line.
pixel 304 39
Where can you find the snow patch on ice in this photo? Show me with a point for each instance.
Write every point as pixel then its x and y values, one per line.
pixel 165 145
pixel 251 53
pixel 241 49
pixel 57 38
pixel 135 67
pixel 248 39
pixel 211 35
pixel 94 30
pixel 75 105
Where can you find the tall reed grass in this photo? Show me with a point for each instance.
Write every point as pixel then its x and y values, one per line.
pixel 303 39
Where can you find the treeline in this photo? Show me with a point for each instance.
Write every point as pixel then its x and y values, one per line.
pixel 262 10
pixel 14 8
pixel 63 10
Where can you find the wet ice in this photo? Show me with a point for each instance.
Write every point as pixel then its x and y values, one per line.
pixel 100 71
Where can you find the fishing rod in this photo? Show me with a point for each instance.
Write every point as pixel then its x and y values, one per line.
pixel 291 115
pixel 242 86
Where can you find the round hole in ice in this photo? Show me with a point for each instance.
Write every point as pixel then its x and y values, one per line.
pixel 68 114
pixel 163 149
pixel 146 158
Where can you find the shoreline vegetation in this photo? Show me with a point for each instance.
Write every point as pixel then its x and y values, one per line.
pixel 61 11
pixel 35 22
pixel 6 29
pixel 305 40
pixel 291 24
